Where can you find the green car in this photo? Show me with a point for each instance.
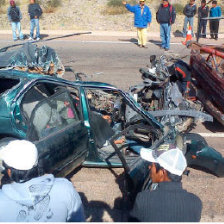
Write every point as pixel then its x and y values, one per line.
pixel 88 123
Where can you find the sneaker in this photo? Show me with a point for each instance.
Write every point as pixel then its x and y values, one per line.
pixel 166 49
pixel 15 39
pixel 30 38
pixel 38 38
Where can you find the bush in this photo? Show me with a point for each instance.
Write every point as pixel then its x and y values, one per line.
pixel 179 8
pixel 49 6
pixel 2 3
pixel 115 7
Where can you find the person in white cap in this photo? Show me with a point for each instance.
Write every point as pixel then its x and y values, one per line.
pixel 169 202
pixel 28 197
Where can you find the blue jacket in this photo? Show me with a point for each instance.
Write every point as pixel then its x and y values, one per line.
pixel 141 20
pixel 215 12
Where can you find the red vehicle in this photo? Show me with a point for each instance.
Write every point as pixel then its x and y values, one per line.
pixel 207 64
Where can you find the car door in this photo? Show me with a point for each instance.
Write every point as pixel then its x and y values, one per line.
pixel 57 128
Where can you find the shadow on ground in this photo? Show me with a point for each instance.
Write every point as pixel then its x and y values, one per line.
pixel 214 126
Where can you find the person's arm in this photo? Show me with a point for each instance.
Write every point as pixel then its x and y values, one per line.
pixel 20 14
pixel 40 10
pixel 75 207
pixel 173 15
pixel 207 11
pixel 195 10
pixel 149 16
pixel 219 11
pixel 184 11
pixel 9 16
pixel 129 7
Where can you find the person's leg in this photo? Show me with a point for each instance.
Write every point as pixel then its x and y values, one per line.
pixel 191 23
pixel 144 36
pixel 216 29
pixel 19 30
pixel 162 35
pixel 13 24
pixel 32 25
pixel 185 26
pixel 204 25
pixel 139 36
pixel 212 28
pixel 38 28
pixel 168 29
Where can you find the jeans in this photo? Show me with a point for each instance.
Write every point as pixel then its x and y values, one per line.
pixel 16 26
pixel 214 28
pixel 187 20
pixel 142 36
pixel 165 29
pixel 202 28
pixel 34 23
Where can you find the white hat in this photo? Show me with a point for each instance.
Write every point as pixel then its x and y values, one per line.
pixel 19 154
pixel 172 160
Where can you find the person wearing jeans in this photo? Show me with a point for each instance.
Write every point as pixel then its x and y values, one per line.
pixel 165 16
pixel 35 23
pixel 189 11
pixel 165 35
pixel 14 16
pixel 35 12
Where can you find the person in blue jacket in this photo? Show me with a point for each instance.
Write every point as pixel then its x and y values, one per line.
pixel 215 11
pixel 142 19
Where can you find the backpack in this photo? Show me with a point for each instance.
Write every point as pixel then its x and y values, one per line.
pixel 14 14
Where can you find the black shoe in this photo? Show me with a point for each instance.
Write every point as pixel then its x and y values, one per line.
pixel 166 49
pixel 144 46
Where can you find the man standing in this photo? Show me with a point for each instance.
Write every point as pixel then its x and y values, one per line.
pixel 165 16
pixel 203 11
pixel 35 12
pixel 14 16
pixel 215 11
pixel 142 18
pixel 169 202
pixel 189 11
pixel 28 197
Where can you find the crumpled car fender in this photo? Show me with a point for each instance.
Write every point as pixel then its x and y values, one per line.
pixel 205 158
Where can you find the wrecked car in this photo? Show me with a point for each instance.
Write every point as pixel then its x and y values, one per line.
pixel 207 63
pixel 88 123
pixel 166 93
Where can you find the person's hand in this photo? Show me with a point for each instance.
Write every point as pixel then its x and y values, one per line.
pixel 35 17
pixel 149 24
pixel 124 2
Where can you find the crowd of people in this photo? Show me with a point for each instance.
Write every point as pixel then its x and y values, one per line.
pixel 15 16
pixel 166 16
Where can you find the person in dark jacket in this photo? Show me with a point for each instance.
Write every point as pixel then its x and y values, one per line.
pixel 14 16
pixel 35 12
pixel 169 202
pixel 215 11
pixel 203 11
pixel 165 16
pixel 142 20
pixel 189 12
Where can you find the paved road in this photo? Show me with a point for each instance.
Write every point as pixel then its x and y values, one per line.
pixel 117 61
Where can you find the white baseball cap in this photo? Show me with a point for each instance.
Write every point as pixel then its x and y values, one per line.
pixel 172 160
pixel 19 154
